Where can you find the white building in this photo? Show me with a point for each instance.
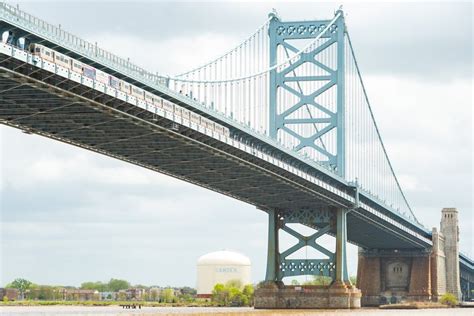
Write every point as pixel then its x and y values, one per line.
pixel 220 267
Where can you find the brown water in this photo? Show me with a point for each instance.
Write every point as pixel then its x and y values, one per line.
pixel 221 311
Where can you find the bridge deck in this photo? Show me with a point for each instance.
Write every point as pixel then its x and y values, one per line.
pixel 48 104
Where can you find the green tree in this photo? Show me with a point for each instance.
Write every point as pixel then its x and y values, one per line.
pixel 449 299
pixel 248 293
pixel 153 294
pixel 21 285
pixel 99 286
pixel 116 285
pixel 188 298
pixel 234 283
pixel 319 280
pixel 167 296
pixel 233 293
pixel 188 291
pixel 220 294
pixel 235 296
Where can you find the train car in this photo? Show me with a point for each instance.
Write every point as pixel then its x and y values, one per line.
pixel 158 102
pixel 226 132
pixel 42 52
pixel 138 93
pixel 195 118
pixel 88 71
pixel 168 106
pixel 219 128
pixel 76 66
pixel 125 87
pixel 207 123
pixel 102 77
pixel 178 110
pixel 62 60
pixel 114 82
pixel 149 97
pixel 185 114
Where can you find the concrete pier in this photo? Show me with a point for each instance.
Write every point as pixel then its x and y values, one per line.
pixel 272 296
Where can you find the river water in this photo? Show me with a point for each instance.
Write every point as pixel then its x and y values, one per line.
pixel 220 311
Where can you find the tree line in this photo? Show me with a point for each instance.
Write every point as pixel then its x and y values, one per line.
pixel 31 291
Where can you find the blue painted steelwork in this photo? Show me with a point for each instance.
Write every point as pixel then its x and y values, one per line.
pixel 272 247
pixel 279 265
pixel 293 80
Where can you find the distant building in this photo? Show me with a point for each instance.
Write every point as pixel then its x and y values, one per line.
pixel 11 294
pixel 80 295
pixel 135 294
pixel 107 296
pixel 154 294
pixel 131 294
pixel 221 267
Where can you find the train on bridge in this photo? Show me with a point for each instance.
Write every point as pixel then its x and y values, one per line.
pixel 47 55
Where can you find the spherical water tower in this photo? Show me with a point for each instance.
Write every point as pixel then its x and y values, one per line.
pixel 221 267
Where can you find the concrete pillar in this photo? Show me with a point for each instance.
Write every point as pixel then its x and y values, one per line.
pixel 450 231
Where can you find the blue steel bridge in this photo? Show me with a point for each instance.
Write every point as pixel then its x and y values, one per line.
pixel 302 142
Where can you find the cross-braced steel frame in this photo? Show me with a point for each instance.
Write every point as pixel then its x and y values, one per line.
pixel 290 79
pixel 327 219
pixel 324 220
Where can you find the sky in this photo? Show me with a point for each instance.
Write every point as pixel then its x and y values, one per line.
pixel 69 215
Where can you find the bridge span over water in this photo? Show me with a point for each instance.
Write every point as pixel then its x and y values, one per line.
pixel 278 124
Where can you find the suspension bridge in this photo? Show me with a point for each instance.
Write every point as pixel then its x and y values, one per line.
pixel 282 121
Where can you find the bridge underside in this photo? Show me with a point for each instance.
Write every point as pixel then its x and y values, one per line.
pixel 48 105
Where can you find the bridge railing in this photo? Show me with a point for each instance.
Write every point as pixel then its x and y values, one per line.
pixel 74 43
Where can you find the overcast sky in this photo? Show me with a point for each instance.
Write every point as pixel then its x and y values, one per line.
pixel 69 215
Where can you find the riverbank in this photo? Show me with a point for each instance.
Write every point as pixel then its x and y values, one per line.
pixel 106 303
pixel 215 311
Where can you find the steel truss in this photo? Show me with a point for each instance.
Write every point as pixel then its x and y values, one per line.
pixel 325 220
pixel 308 128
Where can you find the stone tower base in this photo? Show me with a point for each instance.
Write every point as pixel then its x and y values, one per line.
pixel 388 277
pixel 336 296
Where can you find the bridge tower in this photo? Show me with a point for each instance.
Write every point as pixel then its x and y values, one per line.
pixel 307 105
pixel 392 275
pixel 307 95
pixel 450 231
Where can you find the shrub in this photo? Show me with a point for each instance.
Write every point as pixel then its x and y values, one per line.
pixel 232 294
pixel 5 299
pixel 449 299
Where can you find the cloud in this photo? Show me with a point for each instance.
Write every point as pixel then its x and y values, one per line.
pixel 170 55
pixel 411 39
